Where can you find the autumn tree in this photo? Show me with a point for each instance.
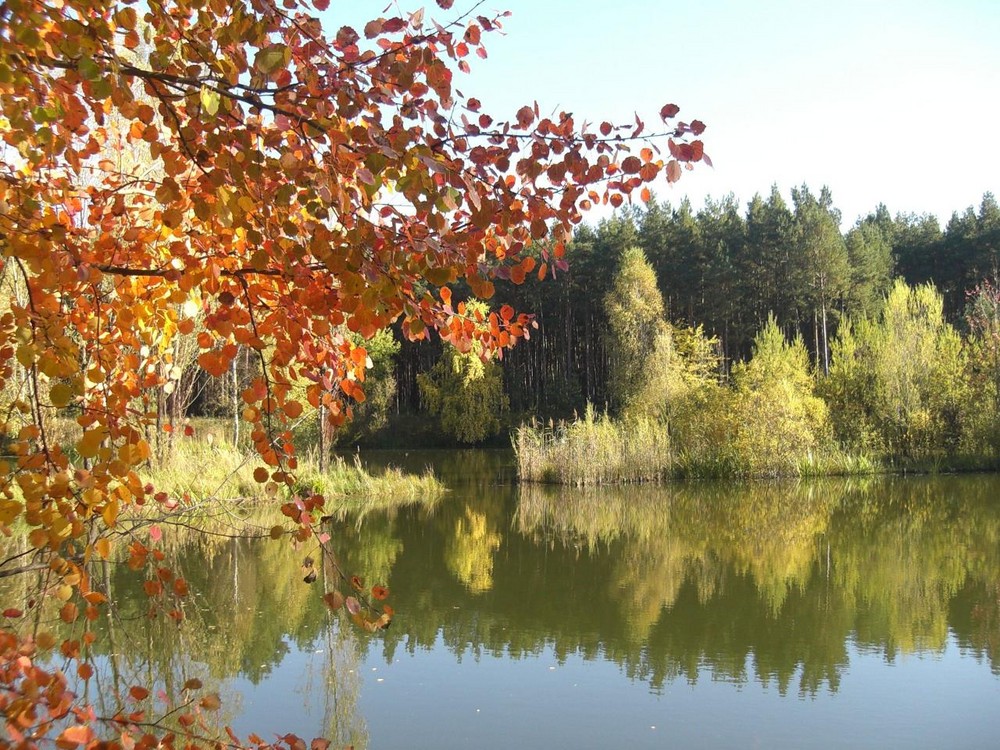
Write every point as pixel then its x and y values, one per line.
pixel 301 186
pixel 982 315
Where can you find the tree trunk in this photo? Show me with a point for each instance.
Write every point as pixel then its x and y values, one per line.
pixel 323 447
pixel 826 344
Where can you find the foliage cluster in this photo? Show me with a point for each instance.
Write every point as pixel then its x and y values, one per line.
pixel 230 188
pixel 727 266
pixel 904 390
pixel 464 390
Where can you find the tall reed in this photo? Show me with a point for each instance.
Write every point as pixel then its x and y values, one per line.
pixel 593 450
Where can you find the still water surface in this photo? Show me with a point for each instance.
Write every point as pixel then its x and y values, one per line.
pixel 833 614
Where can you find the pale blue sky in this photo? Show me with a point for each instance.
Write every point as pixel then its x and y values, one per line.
pixel 884 100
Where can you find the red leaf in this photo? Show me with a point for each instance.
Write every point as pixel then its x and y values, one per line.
pixel 393 25
pixel 353 606
pixel 211 702
pixel 673 171
pixel 668 111
pixel 12 612
pixel 346 37
pixel 697 127
pixel 334 600
pixel 321 4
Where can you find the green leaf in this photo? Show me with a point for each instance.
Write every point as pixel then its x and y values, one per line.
pixel 88 69
pixel 271 58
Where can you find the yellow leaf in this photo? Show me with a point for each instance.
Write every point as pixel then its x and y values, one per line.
pixel 60 395
pixel 103 548
pixel 90 443
pixel 209 101
pixel 271 58
pixel 110 513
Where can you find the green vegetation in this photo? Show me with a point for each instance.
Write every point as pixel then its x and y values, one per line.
pixel 225 472
pixel 638 339
pixel 658 317
pixel 904 392
pixel 465 391
pixel 593 450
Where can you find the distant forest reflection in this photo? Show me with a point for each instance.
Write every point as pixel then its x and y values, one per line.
pixel 766 581
pixel 774 583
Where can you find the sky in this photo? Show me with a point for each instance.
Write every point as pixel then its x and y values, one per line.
pixel 884 101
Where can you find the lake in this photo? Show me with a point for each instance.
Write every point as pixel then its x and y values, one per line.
pixel 829 614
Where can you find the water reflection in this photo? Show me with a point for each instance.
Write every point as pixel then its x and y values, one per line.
pixel 776 584
pixel 769 582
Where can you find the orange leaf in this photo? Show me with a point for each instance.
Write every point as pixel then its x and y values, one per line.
pixel 78 734
pixel 334 600
pixel 211 702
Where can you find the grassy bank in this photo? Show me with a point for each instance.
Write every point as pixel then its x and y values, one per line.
pixel 203 470
pixel 602 450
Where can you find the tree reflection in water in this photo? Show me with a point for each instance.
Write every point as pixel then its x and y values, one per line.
pixel 773 582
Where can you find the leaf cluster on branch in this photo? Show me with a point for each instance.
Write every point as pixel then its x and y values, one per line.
pixel 229 169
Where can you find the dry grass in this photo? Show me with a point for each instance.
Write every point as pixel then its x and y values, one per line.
pixel 593 450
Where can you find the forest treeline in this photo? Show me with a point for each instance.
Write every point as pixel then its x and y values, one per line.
pixel 730 280
pixel 775 345
pixel 727 270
